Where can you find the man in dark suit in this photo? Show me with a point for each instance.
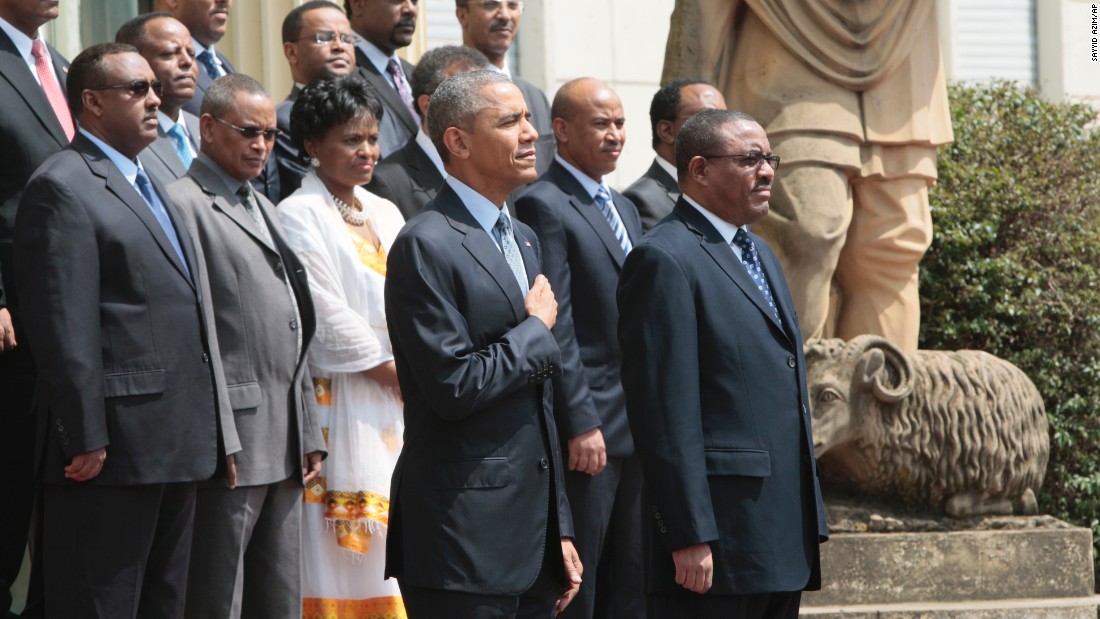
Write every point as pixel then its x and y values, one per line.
pixel 411 176
pixel 656 192
pixel 127 398
pixel 586 230
pixel 245 554
pixel 716 391
pixel 165 44
pixel 317 42
pixel 490 26
pixel 207 21
pixel 383 27
pixel 32 127
pixel 479 521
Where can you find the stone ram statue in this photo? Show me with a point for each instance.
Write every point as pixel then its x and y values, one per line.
pixel 963 430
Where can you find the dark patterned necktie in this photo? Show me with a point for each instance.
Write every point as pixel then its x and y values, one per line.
pixel 603 200
pixel 751 261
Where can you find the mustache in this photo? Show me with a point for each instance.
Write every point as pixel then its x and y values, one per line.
pixel 501 24
pixel 408 21
pixel 763 182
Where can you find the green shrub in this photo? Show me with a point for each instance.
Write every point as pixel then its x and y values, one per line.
pixel 1014 268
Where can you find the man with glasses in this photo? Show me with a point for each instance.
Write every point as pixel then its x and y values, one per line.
pixel 127 396
pixel 246 550
pixel 384 26
pixel 716 393
pixel 656 192
pixel 166 45
pixel 490 26
pixel 318 44
pixel 35 123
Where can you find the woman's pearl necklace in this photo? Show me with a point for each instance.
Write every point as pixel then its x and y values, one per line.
pixel 352 215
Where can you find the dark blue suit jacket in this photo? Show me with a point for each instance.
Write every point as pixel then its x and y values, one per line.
pixel 716 394
pixel 470 503
pixel 582 259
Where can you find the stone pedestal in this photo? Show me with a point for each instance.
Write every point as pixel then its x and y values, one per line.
pixel 993 573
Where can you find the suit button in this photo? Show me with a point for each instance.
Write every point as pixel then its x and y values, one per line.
pixel 294 325
pixel 657 515
pixel 791 362
pixel 205 358
pixel 803 409
pixel 543 464
pixel 664 530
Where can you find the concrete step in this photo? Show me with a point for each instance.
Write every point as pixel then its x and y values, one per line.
pixel 1058 608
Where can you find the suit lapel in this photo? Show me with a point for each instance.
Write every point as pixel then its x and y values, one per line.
pixel 227 202
pixel 164 149
pixel 588 210
pixel 194 132
pixel 669 184
pixel 426 174
pixel 780 292
pixel 16 72
pixel 721 252
pixel 117 184
pixel 482 247
pixel 385 90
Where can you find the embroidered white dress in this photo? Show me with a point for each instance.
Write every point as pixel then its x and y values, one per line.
pixel 347 510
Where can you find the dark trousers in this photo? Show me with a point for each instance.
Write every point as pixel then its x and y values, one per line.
pixel 17 446
pixel 607 521
pixel 754 606
pixel 116 552
pixel 246 551
pixel 537 602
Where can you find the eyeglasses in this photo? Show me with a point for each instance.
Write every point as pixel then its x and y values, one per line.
pixel 492 6
pixel 251 133
pixel 138 88
pixel 750 159
pixel 326 37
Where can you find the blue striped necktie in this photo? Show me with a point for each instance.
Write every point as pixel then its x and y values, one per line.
pixel 511 252
pixel 603 200
pixel 183 149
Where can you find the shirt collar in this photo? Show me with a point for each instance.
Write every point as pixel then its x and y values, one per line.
pixel 167 123
pixel 586 181
pixel 725 229
pixel 506 71
pixel 428 147
pixel 485 212
pixel 380 60
pixel 230 183
pixel 667 167
pixel 128 167
pixel 22 42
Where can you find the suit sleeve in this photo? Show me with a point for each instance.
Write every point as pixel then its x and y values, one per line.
pixel 455 376
pixel 573 407
pixel 58 277
pixel 658 335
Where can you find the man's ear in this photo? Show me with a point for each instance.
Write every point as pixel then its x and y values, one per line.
pixel 290 50
pixel 697 169
pixel 664 131
pixel 561 129
pixel 206 128
pixel 422 104
pixel 90 99
pixel 457 143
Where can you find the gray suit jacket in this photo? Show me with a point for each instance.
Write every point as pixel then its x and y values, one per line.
pixel 160 159
pixel 397 125
pixel 655 193
pixel 408 178
pixel 269 386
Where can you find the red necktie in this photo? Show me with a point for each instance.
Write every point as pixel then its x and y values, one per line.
pixel 44 67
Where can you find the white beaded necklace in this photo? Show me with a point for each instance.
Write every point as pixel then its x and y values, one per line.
pixel 353 215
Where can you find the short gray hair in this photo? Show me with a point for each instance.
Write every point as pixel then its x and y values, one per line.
pixel 219 98
pixel 457 102
pixel 702 135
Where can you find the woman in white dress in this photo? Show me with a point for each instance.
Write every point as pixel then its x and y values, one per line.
pixel 342 233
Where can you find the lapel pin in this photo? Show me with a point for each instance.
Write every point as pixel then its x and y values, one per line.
pixel 527 243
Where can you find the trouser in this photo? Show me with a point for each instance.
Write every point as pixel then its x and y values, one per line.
pixel 754 606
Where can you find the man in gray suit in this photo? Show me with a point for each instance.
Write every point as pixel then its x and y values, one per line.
pixel 384 26
pixel 246 545
pixel 317 43
pixel 165 43
pixel 411 176
pixel 490 26
pixel 656 192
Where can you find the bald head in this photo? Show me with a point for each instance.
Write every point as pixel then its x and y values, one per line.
pixel 588 124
